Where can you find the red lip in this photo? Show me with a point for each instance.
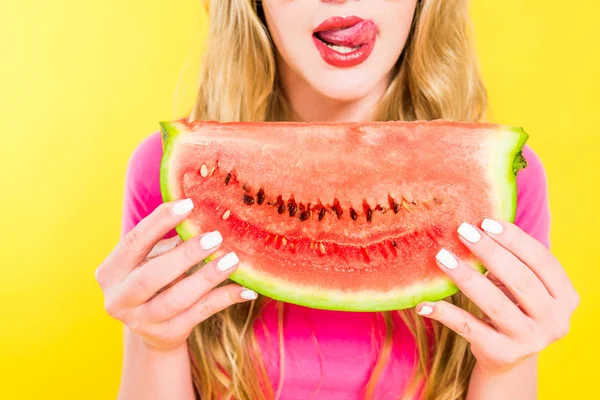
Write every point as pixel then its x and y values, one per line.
pixel 338 23
pixel 350 32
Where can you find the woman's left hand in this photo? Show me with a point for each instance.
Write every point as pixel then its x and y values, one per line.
pixel 527 297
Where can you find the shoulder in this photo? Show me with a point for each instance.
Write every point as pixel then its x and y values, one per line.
pixel 145 160
pixel 535 172
pixel 142 181
pixel 532 184
pixel 533 211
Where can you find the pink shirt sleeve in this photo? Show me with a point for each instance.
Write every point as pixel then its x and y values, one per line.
pixel 533 210
pixel 142 183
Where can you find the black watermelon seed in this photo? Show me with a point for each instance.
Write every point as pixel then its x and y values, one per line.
pixel 260 196
pixel 353 214
pixel 338 209
pixel 248 199
pixel 292 208
pixel 305 215
pixel 281 208
pixel 393 205
pixel 367 210
pixel 227 179
pixel 321 214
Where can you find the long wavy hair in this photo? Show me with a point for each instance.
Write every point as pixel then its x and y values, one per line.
pixel 436 77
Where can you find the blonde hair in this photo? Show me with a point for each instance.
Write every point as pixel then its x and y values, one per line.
pixel 436 77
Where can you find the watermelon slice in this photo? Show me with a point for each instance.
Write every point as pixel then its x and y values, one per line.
pixel 342 216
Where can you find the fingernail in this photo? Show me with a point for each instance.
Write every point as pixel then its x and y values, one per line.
pixel 491 226
pixel 183 207
pixel 211 240
pixel 446 259
pixel 469 232
pixel 227 262
pixel 425 310
pixel 248 295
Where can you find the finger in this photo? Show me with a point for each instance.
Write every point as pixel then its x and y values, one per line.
pixel 189 290
pixel 215 301
pixel 172 283
pixel 142 283
pixel 164 246
pixel 532 253
pixel 460 321
pixel 137 243
pixel 487 296
pixel 527 289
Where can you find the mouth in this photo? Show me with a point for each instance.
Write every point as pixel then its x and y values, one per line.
pixel 345 42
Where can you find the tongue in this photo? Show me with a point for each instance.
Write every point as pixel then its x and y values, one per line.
pixel 356 35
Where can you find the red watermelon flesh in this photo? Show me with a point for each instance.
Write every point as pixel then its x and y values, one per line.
pixel 344 216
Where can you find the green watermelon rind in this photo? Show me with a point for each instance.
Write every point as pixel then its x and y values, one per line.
pixel 506 174
pixel 169 131
pixel 355 301
pixel 502 173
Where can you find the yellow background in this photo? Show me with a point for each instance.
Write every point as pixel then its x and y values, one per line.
pixel 83 82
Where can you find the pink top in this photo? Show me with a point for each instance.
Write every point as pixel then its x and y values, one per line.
pixel 330 354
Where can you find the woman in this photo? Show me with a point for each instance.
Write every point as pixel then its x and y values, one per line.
pixel 318 60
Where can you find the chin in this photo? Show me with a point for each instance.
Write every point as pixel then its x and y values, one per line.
pixel 344 86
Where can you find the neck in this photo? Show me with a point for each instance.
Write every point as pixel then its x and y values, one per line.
pixel 307 105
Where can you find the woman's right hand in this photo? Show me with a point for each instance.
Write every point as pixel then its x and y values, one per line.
pixel 145 284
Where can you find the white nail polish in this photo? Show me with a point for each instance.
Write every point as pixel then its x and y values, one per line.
pixel 183 207
pixel 228 262
pixel 248 295
pixel 469 232
pixel 425 310
pixel 491 226
pixel 211 240
pixel 446 259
